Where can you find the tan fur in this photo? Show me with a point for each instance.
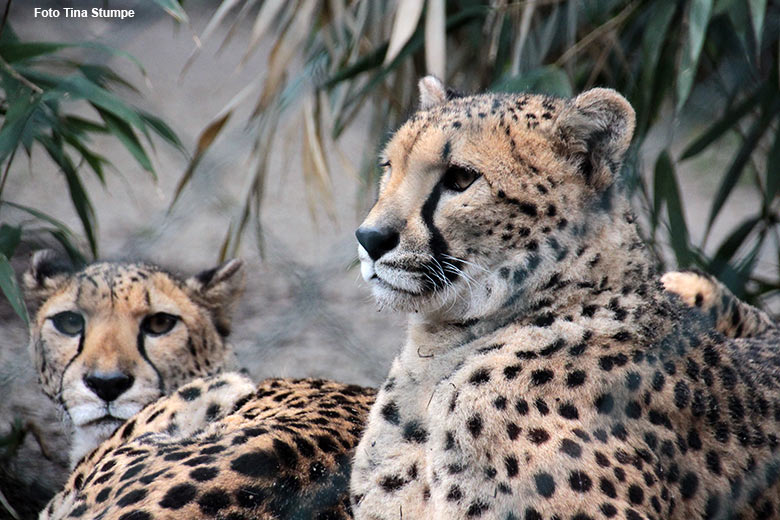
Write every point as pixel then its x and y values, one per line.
pixel 732 317
pixel 222 448
pixel 113 300
pixel 546 374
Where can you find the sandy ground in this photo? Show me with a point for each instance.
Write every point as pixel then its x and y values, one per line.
pixel 305 311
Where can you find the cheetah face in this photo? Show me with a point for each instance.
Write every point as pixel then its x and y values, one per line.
pixel 111 338
pixel 469 214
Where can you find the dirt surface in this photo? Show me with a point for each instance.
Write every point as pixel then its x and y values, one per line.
pixel 305 311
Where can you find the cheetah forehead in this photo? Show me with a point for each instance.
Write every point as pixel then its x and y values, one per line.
pixel 490 133
pixel 533 113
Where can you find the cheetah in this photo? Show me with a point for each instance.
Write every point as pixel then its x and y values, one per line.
pixel 113 337
pixel 546 374
pixel 220 447
pixel 186 440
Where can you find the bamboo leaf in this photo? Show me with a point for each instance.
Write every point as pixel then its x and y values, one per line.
pixel 11 289
pixel 81 88
pixel 436 39
pixel 94 160
pixel 282 53
pixel 549 80
pixel 698 20
pixel 15 52
pixel 10 236
pixel 162 129
pixel 265 16
pixel 757 14
pixel 722 125
pixel 205 139
pixel 224 8
pixel 173 8
pixel 773 172
pixel 16 118
pixel 732 175
pixel 78 194
pixel 127 137
pixel 653 41
pixel 728 249
pixel 407 16
pixel 668 190
pixel 62 233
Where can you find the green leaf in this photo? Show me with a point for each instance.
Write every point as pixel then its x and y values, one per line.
pixel 726 251
pixel 21 51
pixel 732 175
pixel 15 52
pixel 773 172
pixel 61 232
pixel 757 13
pixel 127 137
pixel 667 189
pixel 725 123
pixel 19 112
pixel 94 160
pixel 10 236
pixel 653 42
pixel 370 61
pixel 78 194
pixel 162 129
pixel 81 88
pixel 81 125
pixel 548 80
pixel 698 20
pixel 173 8
pixel 11 289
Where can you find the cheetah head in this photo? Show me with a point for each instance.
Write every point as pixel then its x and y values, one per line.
pixel 113 337
pixel 481 195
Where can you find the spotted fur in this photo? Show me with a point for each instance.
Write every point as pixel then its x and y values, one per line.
pixel 222 448
pixel 731 316
pixel 546 374
pixel 114 366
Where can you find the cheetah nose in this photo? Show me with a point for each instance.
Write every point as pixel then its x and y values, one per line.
pixel 377 241
pixel 108 386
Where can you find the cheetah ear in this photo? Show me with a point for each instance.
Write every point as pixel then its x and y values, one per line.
pixel 48 271
pixel 219 290
pixel 433 92
pixel 596 128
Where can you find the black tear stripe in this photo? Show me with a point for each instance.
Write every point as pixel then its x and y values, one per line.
pixel 142 350
pixel 67 366
pixel 438 245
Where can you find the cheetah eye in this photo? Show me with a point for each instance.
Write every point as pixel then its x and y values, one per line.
pixel 69 323
pixel 458 178
pixel 158 324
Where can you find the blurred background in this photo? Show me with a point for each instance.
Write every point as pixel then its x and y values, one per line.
pixel 198 131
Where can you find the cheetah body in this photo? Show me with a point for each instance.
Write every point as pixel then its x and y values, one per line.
pixel 546 374
pixel 221 447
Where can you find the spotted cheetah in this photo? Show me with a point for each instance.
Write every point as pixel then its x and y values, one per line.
pixel 111 338
pixel 546 374
pixel 220 447
pixel 198 442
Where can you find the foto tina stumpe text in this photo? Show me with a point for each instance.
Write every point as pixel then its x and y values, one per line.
pixel 74 12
